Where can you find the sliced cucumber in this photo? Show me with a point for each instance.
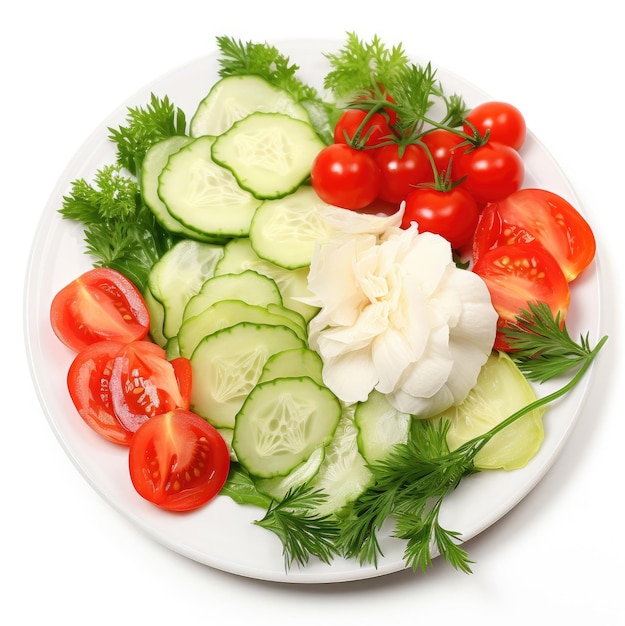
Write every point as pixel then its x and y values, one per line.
pixel 279 486
pixel 293 284
pixel 223 314
pixel 501 390
pixel 269 154
pixel 285 231
pixel 344 474
pixel 178 275
pixel 380 426
pixel 249 286
pixel 153 163
pixel 227 364
pixel 157 318
pixel 295 362
pixel 204 196
pixel 281 423
pixel 234 97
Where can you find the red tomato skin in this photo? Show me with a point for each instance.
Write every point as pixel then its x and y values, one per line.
pixel 178 461
pixel 88 383
pixel 537 214
pixel 503 120
pixel 115 386
pixel 375 129
pixel 490 172
pixel 345 177
pixel 452 214
pixel 442 145
pixel 401 169
pixel 100 304
pixel 518 274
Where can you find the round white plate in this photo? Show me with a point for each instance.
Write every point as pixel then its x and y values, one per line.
pixel 222 535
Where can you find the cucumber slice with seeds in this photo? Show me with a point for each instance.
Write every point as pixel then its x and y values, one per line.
pixel 269 154
pixel 281 423
pixel 204 196
pixel 227 365
pixel 234 97
pixel 249 286
pixel 285 231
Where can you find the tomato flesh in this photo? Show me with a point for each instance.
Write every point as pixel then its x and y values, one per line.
pixel 543 216
pixel 519 274
pixel 100 304
pixel 116 387
pixel 178 461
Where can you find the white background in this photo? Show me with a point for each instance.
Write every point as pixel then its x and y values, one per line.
pixel 67 556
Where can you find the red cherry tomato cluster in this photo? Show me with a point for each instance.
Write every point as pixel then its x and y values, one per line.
pixel 464 184
pixel 126 390
pixel 444 175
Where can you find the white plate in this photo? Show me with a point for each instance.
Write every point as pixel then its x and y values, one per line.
pixel 222 535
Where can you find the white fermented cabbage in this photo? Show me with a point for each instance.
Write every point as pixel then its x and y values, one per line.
pixel 397 315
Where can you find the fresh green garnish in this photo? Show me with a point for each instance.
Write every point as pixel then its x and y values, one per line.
pixel 542 345
pixel 120 231
pixel 412 482
pixel 360 65
pixel 144 127
pixel 302 531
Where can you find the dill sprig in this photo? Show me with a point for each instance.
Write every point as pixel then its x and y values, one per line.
pixel 541 345
pixel 302 531
pixel 412 482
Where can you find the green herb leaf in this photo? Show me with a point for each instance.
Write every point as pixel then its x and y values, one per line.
pixel 144 127
pixel 360 65
pixel 302 531
pixel 120 231
pixel 541 345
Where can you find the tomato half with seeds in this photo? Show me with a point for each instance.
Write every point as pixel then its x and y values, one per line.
pixel 178 461
pixel 100 304
pixel 538 215
pixel 116 387
pixel 519 274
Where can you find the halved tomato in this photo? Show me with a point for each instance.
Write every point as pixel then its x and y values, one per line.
pixel 518 274
pixel 115 386
pixel 542 216
pixel 100 304
pixel 178 461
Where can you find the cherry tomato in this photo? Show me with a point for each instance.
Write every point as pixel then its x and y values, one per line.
pixel 491 171
pixel 401 168
pixel 452 214
pixel 518 274
pixel 504 121
pixel 115 386
pixel 178 461
pixel 537 214
pixel 345 177
pixel 352 129
pixel 441 144
pixel 99 304
pixel 389 113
